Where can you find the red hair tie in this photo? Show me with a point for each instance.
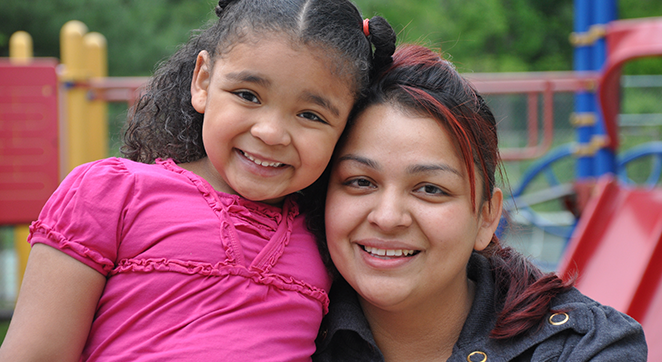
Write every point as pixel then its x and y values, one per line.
pixel 366 27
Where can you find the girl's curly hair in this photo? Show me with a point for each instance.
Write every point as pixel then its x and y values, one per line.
pixel 164 124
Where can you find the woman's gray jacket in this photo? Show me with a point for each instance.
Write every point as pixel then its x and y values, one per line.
pixel 588 331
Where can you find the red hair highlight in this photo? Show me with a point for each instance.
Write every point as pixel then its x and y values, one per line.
pixel 419 80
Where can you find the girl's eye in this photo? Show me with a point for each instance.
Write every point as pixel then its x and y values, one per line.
pixel 431 190
pixel 312 116
pixel 248 96
pixel 360 183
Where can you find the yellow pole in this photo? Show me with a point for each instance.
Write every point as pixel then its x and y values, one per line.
pixel 20 48
pixel 20 52
pixel 72 53
pixel 22 248
pixel 97 65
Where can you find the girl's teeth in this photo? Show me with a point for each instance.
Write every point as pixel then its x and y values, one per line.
pixel 388 252
pixel 262 163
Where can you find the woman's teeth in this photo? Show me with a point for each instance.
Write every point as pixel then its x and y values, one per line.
pixel 260 162
pixel 389 252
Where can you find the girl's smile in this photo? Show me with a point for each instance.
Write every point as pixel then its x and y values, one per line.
pixel 261 162
pixel 272 116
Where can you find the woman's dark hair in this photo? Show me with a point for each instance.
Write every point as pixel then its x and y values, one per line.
pixel 164 124
pixel 421 82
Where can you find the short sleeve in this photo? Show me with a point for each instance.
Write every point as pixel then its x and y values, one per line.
pixel 83 217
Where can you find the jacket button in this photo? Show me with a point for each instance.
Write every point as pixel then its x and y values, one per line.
pixel 477 356
pixel 558 319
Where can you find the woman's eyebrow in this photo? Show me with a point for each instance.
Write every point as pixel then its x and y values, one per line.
pixel 362 160
pixel 433 167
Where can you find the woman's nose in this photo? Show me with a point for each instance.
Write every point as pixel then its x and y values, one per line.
pixel 272 130
pixel 390 212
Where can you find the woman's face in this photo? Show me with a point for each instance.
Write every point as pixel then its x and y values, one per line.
pixel 399 219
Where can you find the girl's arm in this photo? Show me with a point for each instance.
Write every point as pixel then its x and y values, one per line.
pixel 55 308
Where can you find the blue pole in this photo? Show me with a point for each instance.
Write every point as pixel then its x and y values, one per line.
pixel 584 101
pixel 604 12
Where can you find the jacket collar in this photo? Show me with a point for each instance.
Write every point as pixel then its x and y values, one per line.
pixel 345 314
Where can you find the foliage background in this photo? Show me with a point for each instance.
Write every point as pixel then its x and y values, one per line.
pixel 480 35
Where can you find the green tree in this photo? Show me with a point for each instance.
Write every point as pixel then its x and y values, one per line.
pixel 486 35
pixel 479 35
pixel 140 33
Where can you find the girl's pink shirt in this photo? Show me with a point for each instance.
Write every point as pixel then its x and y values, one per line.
pixel 192 274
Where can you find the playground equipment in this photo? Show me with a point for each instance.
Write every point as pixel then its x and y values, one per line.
pixel 616 235
pixel 617 245
pixel 615 242
pixel 37 151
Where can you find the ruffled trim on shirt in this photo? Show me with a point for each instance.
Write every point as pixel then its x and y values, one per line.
pixel 258 214
pixel 230 200
pixel 60 242
pixel 221 270
pixel 274 251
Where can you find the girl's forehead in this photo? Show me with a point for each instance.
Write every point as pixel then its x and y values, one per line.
pixel 340 66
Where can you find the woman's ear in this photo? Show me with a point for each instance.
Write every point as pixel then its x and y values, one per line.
pixel 200 81
pixel 490 215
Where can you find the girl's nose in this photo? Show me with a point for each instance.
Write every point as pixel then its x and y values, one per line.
pixel 272 130
pixel 390 213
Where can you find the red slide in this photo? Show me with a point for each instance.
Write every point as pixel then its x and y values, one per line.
pixel 616 251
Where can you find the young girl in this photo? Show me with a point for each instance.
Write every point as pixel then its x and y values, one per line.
pixel 411 212
pixel 199 251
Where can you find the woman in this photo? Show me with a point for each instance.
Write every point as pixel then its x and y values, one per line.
pixel 411 212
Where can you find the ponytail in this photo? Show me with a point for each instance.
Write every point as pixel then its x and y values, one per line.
pixel 222 4
pixel 522 291
pixel 383 37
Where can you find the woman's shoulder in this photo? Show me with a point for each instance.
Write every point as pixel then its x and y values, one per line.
pixel 593 315
pixel 577 328
pixel 581 327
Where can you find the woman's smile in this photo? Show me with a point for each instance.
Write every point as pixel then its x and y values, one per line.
pixel 400 221
pixel 389 253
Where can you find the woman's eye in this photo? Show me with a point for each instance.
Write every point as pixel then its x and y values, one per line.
pixel 312 116
pixel 431 190
pixel 359 182
pixel 248 96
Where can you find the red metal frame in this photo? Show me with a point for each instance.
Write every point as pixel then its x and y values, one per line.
pixel 117 89
pixel 534 84
pixel 127 89
pixel 626 40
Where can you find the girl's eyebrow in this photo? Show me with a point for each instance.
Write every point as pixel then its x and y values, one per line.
pixel 322 102
pixel 414 169
pixel 250 77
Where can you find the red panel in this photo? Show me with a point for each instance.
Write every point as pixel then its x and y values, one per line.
pixel 28 139
pixel 616 251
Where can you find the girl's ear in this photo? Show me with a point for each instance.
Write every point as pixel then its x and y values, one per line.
pixel 490 215
pixel 200 81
